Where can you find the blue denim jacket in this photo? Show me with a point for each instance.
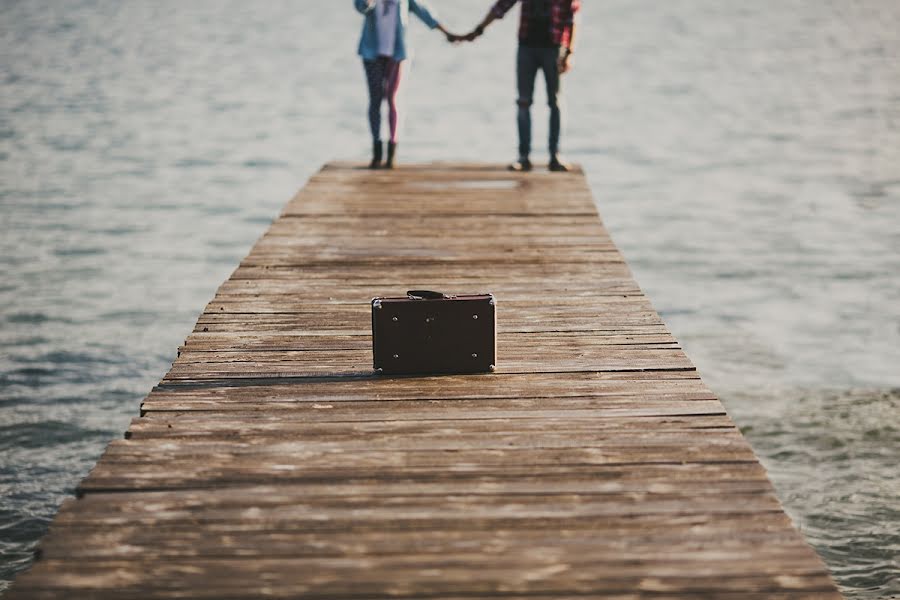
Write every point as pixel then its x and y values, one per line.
pixel 368 43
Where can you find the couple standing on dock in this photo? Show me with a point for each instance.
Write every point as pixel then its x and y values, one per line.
pixel 546 37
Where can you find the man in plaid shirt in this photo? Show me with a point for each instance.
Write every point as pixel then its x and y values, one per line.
pixel 546 41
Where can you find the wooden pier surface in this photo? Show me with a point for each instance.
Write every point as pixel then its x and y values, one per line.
pixel 271 462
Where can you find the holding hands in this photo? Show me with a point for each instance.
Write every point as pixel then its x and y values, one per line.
pixel 474 34
pixel 451 37
pixel 454 38
pixel 468 37
pixel 564 62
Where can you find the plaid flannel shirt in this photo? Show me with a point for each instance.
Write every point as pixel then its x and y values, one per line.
pixel 562 17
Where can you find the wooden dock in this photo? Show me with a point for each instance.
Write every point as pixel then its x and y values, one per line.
pixel 271 462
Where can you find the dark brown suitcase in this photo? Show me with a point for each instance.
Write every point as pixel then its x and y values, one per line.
pixel 430 332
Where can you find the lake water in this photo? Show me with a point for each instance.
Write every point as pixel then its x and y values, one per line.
pixel 745 156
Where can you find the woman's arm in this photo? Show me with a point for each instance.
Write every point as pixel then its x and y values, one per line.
pixel 421 10
pixel 364 6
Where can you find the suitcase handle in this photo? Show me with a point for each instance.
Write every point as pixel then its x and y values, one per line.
pixel 425 295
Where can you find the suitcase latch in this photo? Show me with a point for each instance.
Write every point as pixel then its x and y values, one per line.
pixel 426 295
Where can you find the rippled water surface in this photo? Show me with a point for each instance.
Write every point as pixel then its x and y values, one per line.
pixel 745 156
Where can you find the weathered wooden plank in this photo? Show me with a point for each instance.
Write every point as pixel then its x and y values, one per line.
pixel 330 410
pixel 581 345
pixel 451 450
pixel 401 275
pixel 268 591
pixel 644 488
pixel 412 577
pixel 296 241
pixel 523 385
pixel 349 291
pixel 358 323
pixel 354 363
pixel 513 310
pixel 523 392
pixel 282 304
pixel 167 541
pixel 406 230
pixel 375 262
pixel 548 491
pixel 276 342
pixel 297 427
pixel 573 356
pixel 314 325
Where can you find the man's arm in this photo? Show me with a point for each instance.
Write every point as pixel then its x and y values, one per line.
pixel 565 58
pixel 497 11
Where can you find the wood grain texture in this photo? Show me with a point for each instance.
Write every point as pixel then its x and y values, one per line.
pixel 272 462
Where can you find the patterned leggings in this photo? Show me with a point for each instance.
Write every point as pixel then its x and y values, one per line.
pixel 383 76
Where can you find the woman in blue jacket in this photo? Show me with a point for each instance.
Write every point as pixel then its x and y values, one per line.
pixel 383 50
